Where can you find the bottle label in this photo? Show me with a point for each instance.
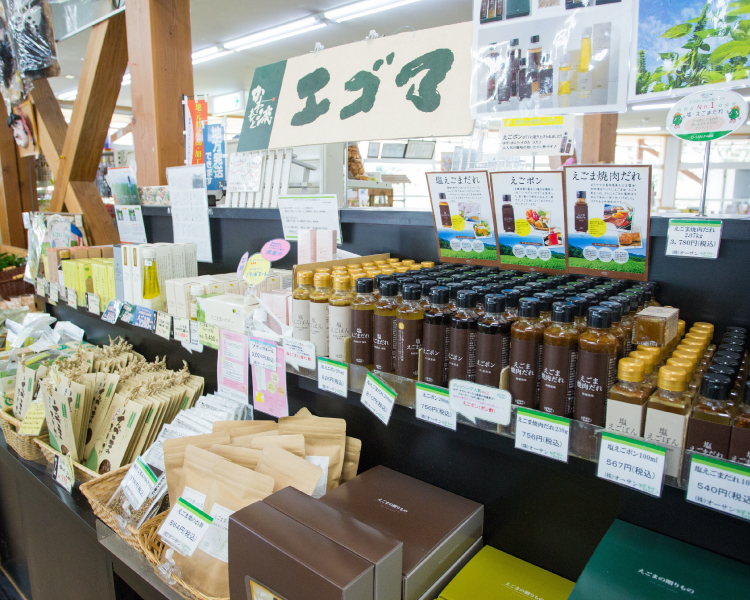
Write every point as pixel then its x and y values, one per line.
pixel 558 376
pixel 433 370
pixel 708 438
pixel 489 358
pixel 301 319
pixel 739 448
pixel 462 358
pixel 408 343
pixel 595 375
pixel 581 217
pixel 524 371
pixel 382 343
pixel 668 429
pixel 362 325
pixel 340 328
pixel 625 418
pixel 584 81
pixel 319 327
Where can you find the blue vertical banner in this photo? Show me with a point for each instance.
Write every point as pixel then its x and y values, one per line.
pixel 214 149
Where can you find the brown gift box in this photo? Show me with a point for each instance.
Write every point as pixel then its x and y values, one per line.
pixel 436 526
pixel 291 560
pixel 383 552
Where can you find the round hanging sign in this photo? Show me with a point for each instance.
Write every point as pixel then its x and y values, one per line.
pixel 706 116
pixel 275 249
pixel 256 269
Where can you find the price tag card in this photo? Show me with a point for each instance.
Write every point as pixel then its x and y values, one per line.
pixel 62 293
pixel 299 353
pixel 433 406
pixel 64 472
pixel 719 484
pixel 138 483
pixel 112 312
pixel 543 434
pixel 378 397
pixel 34 420
pixel 128 312
pixel 693 238
pixel 182 330
pixel 41 287
pixel 632 463
pixel 54 293
pixel 92 302
pixel 476 401
pixel 144 317
pixel 208 335
pixel 163 325
pixel 333 376
pixel 262 353
pixel 72 300
pixel 184 527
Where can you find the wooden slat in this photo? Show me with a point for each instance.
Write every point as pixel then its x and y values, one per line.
pixel 160 50
pixel 11 221
pixel 50 122
pixel 83 197
pixel 599 137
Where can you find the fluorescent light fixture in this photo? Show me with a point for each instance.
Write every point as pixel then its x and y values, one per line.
pixel 205 52
pixel 638 129
pixel 364 8
pixel 197 61
pixel 67 96
pixel 275 33
pixel 653 106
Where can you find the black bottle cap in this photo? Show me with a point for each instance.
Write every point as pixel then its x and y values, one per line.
pixel 533 276
pixel 590 298
pixel 616 309
pixel 629 303
pixel 599 294
pixel 581 194
pixel 427 285
pixel 439 295
pixel 732 348
pixel 364 285
pixel 653 286
pixel 727 362
pixel 637 292
pixel 528 308
pixel 481 291
pixel 494 303
pixel 545 301
pixel 535 286
pixel 728 354
pixel 458 277
pixel 454 288
pixel 470 283
pixel 514 42
pixel 443 281
pixel 511 298
pixel 737 329
pixel 721 369
pixel 734 338
pixel 420 278
pixel 524 290
pixel 411 291
pixel 557 294
pixel 534 39
pixel 506 198
pixel 389 288
pixel 599 317
pixel 578 286
pixel 497 288
pixel 412 272
pixel 465 268
pixel 466 299
pixel 563 312
pixel 381 278
pixel 716 386
pixel 580 305
pixel 403 281
pixel 647 294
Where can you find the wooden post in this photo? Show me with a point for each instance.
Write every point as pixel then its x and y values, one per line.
pixel 161 70
pixel 11 221
pixel 599 137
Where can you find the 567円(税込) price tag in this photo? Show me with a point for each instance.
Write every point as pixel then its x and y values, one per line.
pixel 720 485
pixel 333 376
pixel 632 463
pixel 543 434
pixel 184 527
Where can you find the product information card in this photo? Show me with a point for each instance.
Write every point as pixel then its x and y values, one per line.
pixel 309 212
pixel 333 376
pixel 632 463
pixel 694 238
pixel 543 434
pixel 379 398
pixel 719 484
pixel 269 386
pixel 232 372
pixel 608 208
pixel 531 215
pixel 433 406
pixel 464 217
pixel 474 401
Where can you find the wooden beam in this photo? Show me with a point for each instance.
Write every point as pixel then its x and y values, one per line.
pixel 160 50
pixel 599 137
pixel 11 221
pixel 50 123
pixel 83 197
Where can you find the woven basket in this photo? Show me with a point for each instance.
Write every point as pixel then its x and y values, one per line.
pixel 82 473
pixel 154 549
pixel 98 492
pixel 12 283
pixel 24 445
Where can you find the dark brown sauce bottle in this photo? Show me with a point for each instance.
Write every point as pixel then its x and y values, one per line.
pixel 526 337
pixel 384 324
pixel 581 213
pixel 559 363
pixel 435 337
pixel 617 329
pixel 493 341
pixel 597 367
pixel 409 321
pixel 511 305
pixel 462 357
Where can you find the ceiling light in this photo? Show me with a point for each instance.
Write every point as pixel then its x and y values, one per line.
pixel 67 96
pixel 197 61
pixel 362 9
pixel 70 77
pixel 205 52
pixel 275 33
pixel 652 106
pixel 638 129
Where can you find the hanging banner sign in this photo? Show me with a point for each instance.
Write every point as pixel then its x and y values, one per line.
pixel 531 234
pixel 412 84
pixel 609 209
pixel 706 116
pixel 214 150
pixel 464 217
pixel 196 113
pixel 548 136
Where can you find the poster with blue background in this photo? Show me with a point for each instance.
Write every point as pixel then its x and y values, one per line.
pixel 214 150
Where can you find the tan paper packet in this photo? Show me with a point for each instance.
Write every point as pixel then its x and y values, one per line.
pixel 286 469
pixel 245 457
pixel 246 441
pixel 351 459
pixel 174 456
pixel 293 443
pixel 242 428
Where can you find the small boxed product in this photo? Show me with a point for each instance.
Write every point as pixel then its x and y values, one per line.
pixel 436 527
pixel 655 326
pixel 383 552
pixel 273 555
pixel 226 311
pixel 495 575
pixel 325 245
pixel 306 246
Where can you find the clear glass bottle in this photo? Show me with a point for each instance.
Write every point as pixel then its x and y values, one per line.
pixel 493 341
pixel 363 306
pixel 526 337
pixel 339 318
pixel 563 76
pixel 462 355
pixel 650 377
pixel 667 413
pixel 584 83
pixel 534 54
pixel 301 306
pixel 197 289
pixel 150 275
pixel 626 400
pixel 559 362
pixel 319 312
pixel 384 327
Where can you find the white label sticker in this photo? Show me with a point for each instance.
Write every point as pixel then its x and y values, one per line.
pixel 433 406
pixel 138 483
pixel 476 401
pixel 195 497
pixel 184 527
pixel 195 333
pixel 92 301
pixel 693 238
pixel 721 485
pixel 54 293
pixel 333 376
pixel 64 472
pixel 322 486
pixel 72 300
pixel 299 353
pixel 632 463
pixel 262 354
pixel 543 434
pixel 182 329
pixel 378 398
pixel 216 542
pixel 41 287
pixel 163 325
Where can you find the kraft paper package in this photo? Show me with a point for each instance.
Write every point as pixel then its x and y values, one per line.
pixel 248 428
pixel 174 456
pixel 293 443
pixel 288 470
pixel 245 457
pixel 223 488
pixel 246 441
pixel 351 459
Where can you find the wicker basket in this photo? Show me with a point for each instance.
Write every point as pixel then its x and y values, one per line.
pixel 154 549
pixel 98 492
pixel 24 445
pixel 12 283
pixel 82 473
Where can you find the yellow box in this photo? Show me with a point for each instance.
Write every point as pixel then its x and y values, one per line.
pixel 111 281
pixel 101 286
pixel 85 280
